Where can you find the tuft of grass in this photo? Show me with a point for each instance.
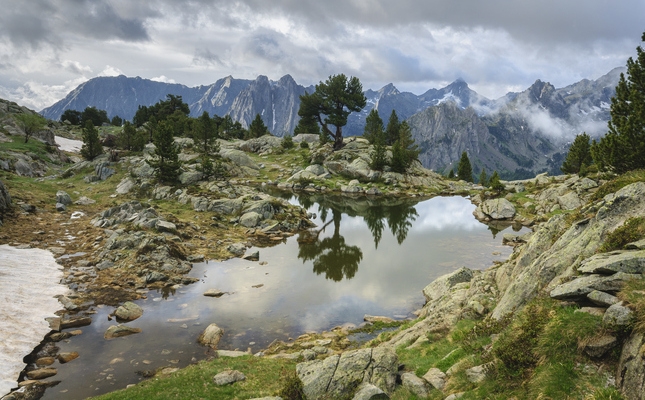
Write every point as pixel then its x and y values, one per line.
pixel 633 293
pixel 632 230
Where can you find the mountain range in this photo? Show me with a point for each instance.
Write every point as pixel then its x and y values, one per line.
pixel 518 134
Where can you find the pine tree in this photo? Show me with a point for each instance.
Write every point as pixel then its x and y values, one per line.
pixel 205 136
pixel 495 184
pixel 451 174
pixel 404 150
pixel 91 143
pixel 257 128
pixel 166 156
pixel 483 178
pixel 373 126
pixel 287 142
pixel 379 155
pixel 579 155
pixel 307 124
pixel 623 148
pixel 392 130
pixel 464 169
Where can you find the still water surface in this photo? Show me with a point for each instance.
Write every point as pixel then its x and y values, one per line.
pixel 364 257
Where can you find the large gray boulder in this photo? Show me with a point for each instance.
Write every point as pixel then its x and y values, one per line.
pixel 569 201
pixel 630 377
pixel 618 316
pixel 631 262
pixel 443 285
pixel 103 170
pixel 418 386
pixel 239 158
pixel 498 209
pixel 336 375
pixel 63 198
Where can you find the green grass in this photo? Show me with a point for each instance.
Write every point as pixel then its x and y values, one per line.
pixel 632 230
pixel 33 147
pixel 264 377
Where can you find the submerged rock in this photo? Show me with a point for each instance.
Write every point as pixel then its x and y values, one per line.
pixel 116 331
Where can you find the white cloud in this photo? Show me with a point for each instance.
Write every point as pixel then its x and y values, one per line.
pixel 163 78
pixel 110 71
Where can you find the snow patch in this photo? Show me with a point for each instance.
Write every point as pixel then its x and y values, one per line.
pixel 73 146
pixel 29 280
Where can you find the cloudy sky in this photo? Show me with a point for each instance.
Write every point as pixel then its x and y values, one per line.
pixel 48 47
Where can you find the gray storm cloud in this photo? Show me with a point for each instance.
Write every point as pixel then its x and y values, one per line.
pixel 417 45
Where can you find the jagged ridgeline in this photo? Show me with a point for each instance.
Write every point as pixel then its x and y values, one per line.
pixel 519 134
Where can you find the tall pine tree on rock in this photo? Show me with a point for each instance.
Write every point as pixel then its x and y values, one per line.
pixel 373 126
pixel 404 150
pixel 331 104
pixel 623 148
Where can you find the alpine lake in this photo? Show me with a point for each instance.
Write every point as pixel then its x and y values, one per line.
pixel 366 256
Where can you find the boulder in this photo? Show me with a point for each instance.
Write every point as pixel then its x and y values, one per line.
pixel 316 169
pixel 116 331
pixel 214 293
pixel 631 262
pixel 618 316
pixel 336 375
pixel 211 336
pixel 61 207
pixel 367 391
pixel 63 198
pixel 129 311
pixel 125 186
pixel 165 226
pixel 419 387
pixel 498 209
pixel 598 347
pixel 584 285
pixel 190 177
pixel 436 378
pixel 630 377
pixel 250 219
pixel 237 249
pixel 239 158
pixel 477 374
pixel 442 285
pixel 228 377
pixel 84 201
pixel 602 299
pixel 569 201
pixel 103 170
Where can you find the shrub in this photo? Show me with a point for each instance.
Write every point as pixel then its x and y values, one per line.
pixel 632 230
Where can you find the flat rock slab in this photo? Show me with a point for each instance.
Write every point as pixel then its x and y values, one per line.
pixel 630 262
pixel 584 285
pixel 436 378
pixel 67 357
pixel 378 318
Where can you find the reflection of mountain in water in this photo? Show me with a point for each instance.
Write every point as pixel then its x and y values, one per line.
pixel 332 255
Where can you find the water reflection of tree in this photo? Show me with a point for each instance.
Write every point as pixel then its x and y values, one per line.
pixel 400 219
pixel 331 255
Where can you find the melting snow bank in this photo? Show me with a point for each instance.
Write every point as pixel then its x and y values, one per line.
pixel 29 280
pixel 70 145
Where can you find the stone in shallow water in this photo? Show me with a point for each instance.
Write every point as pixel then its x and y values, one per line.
pixel 42 373
pixel 116 331
pixel 211 336
pixel 128 311
pixel 214 293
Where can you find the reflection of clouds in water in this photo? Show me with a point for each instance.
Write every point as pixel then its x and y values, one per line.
pixel 442 213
